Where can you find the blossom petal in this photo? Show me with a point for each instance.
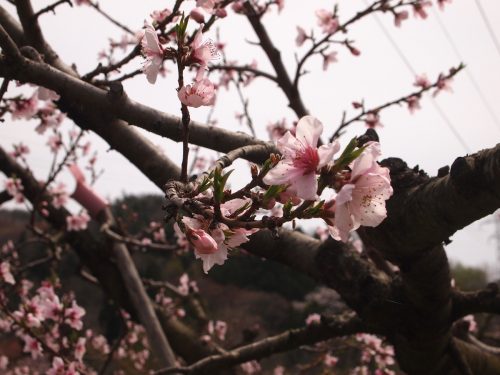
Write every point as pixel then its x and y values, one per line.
pixel 366 160
pixel 326 152
pixel 280 174
pixel 345 194
pixel 209 260
pixel 306 186
pixel 308 131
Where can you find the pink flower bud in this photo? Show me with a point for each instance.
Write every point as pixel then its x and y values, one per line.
pixel 202 241
pixel 221 12
pixel 197 15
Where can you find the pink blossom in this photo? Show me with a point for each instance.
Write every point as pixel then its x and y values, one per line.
pixel 328 59
pixel 159 15
pixel 55 142
pixel 372 120
pixel 24 108
pixel 5 273
pixel 301 36
pixel 15 188
pixel 77 222
pixel 224 237
pixel 207 5
pixel 153 51
pixel 277 129
pixel 362 200
pixel 327 21
pixel 302 158
pixel 57 367
pixel 472 322
pixel 313 319
pixel 80 348
pixel 202 241
pixel 82 2
pixel 59 195
pixel 20 150
pixel 47 94
pixel 422 81
pixel 251 367
pixel 202 51
pixel 32 346
pixel 221 12
pixel 50 118
pixel 442 3
pixel 442 84
pixel 197 15
pixel 4 362
pixel 197 94
pixel 399 17
pixel 413 103
pixel 279 370
pixel 74 316
pixel 280 4
pixel 330 360
pixel 419 9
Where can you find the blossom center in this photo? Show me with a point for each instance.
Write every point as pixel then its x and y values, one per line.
pixel 307 159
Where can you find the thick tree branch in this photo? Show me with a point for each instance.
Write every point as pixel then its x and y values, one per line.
pixel 143 306
pixel 343 325
pixel 96 255
pixel 483 301
pixel 424 212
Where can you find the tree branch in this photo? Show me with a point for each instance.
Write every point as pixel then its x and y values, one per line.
pixel 274 56
pixel 342 325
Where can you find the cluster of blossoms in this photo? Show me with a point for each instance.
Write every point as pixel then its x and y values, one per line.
pixel 49 326
pixel 45 323
pixel 202 91
pixel 213 219
pixel 374 355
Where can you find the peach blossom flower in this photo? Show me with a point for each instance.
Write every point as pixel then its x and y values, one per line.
pixel 197 94
pixel 327 21
pixel 301 36
pixel 302 158
pixel 362 200
pixel 153 51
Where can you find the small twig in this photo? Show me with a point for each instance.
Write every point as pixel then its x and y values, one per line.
pixel 111 19
pixel 52 8
pixel 481 345
pixel 132 241
pixel 245 69
pixel 274 56
pixel 163 284
pixel 4 87
pixel 400 100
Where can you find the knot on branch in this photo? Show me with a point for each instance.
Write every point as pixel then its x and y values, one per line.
pixel 31 53
pixel 461 171
pixel 403 177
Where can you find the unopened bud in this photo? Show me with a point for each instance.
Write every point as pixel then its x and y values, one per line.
pixel 221 13
pixel 197 15
pixel 254 170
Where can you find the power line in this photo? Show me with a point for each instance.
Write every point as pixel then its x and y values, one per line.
pixel 468 72
pixel 488 26
pixel 437 107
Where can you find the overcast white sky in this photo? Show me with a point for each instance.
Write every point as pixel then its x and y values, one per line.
pixel 377 76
